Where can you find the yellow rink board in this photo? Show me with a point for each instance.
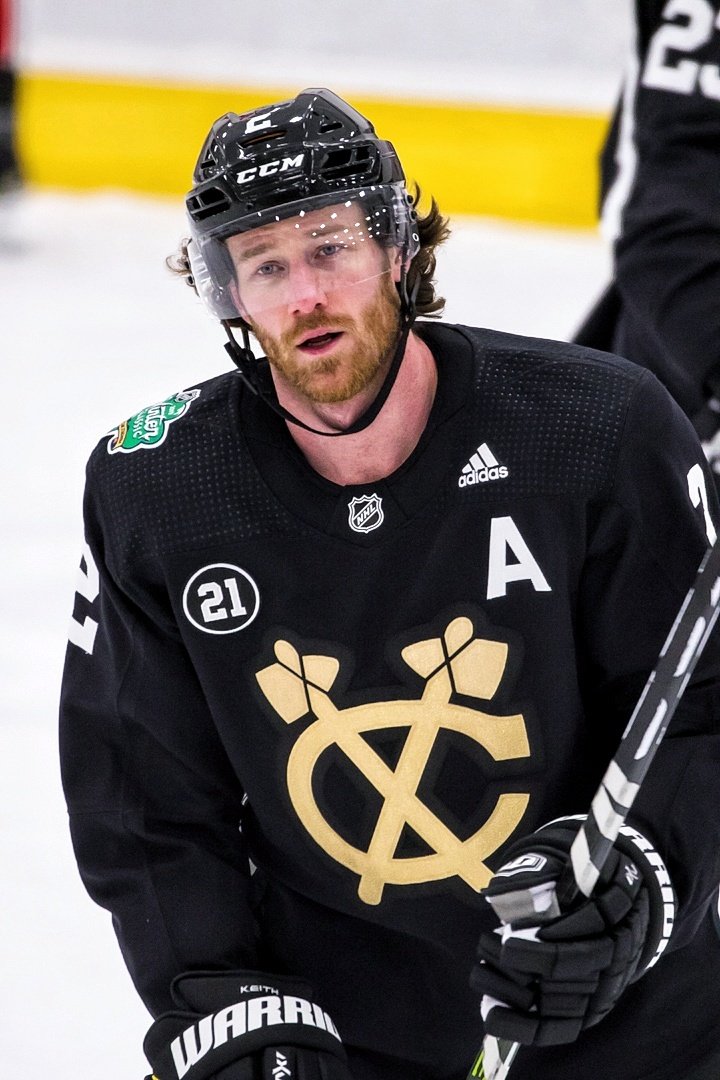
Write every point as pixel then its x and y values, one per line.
pixel 529 165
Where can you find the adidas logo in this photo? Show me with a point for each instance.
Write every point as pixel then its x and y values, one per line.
pixel 482 467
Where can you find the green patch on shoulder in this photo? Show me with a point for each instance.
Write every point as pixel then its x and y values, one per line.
pixel 149 427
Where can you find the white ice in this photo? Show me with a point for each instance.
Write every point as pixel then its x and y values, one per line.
pixel 92 328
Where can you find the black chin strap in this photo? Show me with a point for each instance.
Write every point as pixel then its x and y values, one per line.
pixel 255 372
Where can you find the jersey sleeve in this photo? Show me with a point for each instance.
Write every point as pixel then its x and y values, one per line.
pixel 646 543
pixel 660 183
pixel 155 807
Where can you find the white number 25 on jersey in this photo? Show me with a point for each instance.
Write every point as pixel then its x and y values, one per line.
pixel 689 24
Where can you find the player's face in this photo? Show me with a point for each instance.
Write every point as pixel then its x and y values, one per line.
pixel 320 296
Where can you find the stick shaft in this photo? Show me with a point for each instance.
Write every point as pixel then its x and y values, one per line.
pixel 621 783
pixel 647 726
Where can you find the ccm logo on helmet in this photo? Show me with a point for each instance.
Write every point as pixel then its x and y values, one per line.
pixel 270 167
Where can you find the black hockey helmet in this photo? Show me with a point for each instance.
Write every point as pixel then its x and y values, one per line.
pixel 267 165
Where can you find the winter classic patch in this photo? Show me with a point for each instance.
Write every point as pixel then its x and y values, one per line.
pixel 148 428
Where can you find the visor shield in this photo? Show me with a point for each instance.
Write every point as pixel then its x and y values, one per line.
pixel 304 255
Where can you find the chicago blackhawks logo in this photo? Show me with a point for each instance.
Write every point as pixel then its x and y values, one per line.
pixel 297 685
pixel 149 427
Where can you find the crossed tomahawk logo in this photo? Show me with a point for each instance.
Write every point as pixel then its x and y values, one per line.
pixel 298 685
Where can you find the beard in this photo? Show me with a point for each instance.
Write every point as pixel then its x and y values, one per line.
pixel 354 365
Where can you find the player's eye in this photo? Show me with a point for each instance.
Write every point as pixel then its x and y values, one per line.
pixel 329 251
pixel 268 269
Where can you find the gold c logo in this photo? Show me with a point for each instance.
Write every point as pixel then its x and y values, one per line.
pixel 297 685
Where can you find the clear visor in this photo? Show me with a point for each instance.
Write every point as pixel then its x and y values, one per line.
pixel 307 259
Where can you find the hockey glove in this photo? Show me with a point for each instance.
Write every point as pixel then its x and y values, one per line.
pixel 244 1025
pixel 543 984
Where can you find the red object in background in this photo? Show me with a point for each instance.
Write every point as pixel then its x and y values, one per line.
pixel 6 34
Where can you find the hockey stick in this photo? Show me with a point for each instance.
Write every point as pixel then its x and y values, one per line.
pixel 623 777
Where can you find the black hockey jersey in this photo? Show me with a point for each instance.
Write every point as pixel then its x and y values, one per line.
pixel 302 722
pixel 660 195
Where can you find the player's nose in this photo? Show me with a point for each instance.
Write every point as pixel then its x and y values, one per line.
pixel 306 290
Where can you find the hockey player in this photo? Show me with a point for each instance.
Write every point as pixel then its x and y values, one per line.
pixel 660 177
pixel 354 622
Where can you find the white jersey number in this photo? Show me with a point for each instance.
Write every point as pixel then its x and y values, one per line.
pixel 82 633
pixel 663 71
pixel 699 498
pixel 213 607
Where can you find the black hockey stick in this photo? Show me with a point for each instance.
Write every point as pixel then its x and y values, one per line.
pixel 621 782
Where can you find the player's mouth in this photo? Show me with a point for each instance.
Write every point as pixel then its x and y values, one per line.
pixel 319 344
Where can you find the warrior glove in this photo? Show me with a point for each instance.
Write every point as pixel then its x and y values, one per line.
pixel 542 981
pixel 244 1025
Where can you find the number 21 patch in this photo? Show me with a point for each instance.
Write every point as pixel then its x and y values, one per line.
pixel 221 599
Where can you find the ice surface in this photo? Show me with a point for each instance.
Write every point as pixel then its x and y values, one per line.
pixel 93 327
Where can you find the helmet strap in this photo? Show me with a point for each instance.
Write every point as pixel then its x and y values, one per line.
pixel 255 372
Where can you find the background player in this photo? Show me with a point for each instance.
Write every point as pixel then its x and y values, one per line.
pixel 9 170
pixel 660 177
pixel 357 618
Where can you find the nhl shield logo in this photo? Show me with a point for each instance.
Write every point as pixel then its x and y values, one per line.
pixel 365 513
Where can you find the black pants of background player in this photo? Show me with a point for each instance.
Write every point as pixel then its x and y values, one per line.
pixel 9 170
